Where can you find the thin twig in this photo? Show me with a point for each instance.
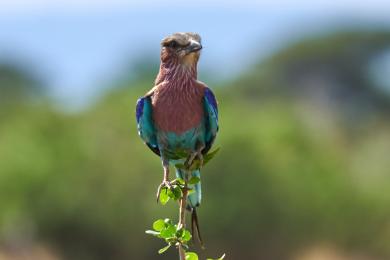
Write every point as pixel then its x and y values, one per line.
pixel 182 218
pixel 182 253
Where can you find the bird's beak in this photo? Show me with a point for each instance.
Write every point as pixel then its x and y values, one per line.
pixel 194 46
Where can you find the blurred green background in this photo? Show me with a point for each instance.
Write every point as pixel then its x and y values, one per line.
pixel 303 172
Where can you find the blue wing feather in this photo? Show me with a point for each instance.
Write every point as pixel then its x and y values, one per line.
pixel 211 115
pixel 139 109
pixel 146 129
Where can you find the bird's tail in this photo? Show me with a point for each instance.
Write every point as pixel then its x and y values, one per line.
pixel 194 198
pixel 195 226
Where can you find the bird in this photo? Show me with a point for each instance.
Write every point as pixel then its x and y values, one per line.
pixel 179 114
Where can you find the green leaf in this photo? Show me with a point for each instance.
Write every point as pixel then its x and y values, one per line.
pixel 152 232
pixel 180 181
pixel 176 193
pixel 221 258
pixel 196 164
pixel 170 194
pixel 186 236
pixel 210 156
pixel 159 225
pixel 162 250
pixel 164 198
pixel 168 232
pixel 194 180
pixel 179 232
pixel 191 256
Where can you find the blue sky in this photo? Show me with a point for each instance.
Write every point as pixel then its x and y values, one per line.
pixel 80 46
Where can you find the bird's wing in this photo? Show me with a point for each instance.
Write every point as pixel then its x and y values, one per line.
pixel 146 129
pixel 211 118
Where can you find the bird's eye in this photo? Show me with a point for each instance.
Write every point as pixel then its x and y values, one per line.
pixel 173 44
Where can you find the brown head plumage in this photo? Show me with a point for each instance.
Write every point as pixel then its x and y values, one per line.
pixel 183 48
pixel 179 57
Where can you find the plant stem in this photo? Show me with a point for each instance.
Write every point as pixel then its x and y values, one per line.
pixel 182 217
pixel 182 253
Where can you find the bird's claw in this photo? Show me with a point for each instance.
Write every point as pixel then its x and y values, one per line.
pixel 191 158
pixel 164 184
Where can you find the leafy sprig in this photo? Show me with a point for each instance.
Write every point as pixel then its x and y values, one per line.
pixel 171 233
pixel 175 234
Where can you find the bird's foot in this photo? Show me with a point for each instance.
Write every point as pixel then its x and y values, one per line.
pixel 164 184
pixel 190 160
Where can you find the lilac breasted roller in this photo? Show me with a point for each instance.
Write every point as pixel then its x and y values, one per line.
pixel 179 113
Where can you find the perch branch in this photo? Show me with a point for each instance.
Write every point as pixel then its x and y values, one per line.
pixel 182 218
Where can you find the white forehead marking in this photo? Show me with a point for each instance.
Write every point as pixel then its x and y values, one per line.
pixel 192 41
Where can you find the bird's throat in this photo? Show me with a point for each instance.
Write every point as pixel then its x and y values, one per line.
pixel 175 73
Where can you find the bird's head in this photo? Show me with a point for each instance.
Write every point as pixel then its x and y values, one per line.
pixel 181 48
